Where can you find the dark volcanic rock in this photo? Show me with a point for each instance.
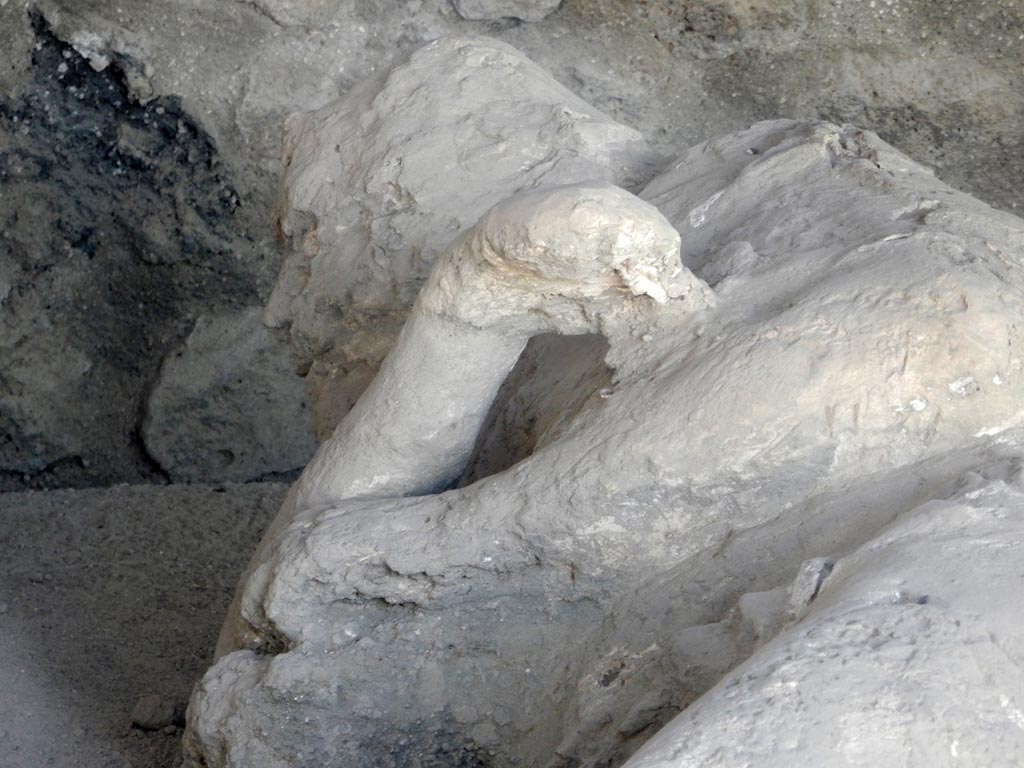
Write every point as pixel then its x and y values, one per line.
pixel 117 227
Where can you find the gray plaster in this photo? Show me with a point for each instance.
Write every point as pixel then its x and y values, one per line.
pixel 789 386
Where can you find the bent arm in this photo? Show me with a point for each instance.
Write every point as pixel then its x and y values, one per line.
pixel 557 259
pixel 414 428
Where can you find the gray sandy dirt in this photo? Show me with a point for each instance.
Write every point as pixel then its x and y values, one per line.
pixel 106 596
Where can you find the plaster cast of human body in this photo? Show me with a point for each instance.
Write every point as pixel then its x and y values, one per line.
pixel 837 346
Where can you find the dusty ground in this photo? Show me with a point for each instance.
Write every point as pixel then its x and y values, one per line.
pixel 107 595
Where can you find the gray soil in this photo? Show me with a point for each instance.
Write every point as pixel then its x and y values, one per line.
pixel 106 596
pixel 118 227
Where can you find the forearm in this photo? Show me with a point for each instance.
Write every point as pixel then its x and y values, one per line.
pixel 414 428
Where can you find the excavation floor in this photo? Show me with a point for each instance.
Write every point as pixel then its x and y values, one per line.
pixel 108 595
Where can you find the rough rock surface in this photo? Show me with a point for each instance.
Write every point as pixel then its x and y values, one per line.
pixel 940 79
pixel 16 40
pixel 410 159
pixel 153 712
pixel 227 405
pixel 108 596
pixel 858 352
pixel 492 10
pixel 117 227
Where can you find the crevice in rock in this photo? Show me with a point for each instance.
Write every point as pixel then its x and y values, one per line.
pixel 260 9
pixel 147 458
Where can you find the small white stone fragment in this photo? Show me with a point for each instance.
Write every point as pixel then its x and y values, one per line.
pixel 964 386
pixel 808 583
pixel 699 214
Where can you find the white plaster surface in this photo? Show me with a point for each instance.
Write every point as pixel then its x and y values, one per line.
pixel 910 656
pixel 375 185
